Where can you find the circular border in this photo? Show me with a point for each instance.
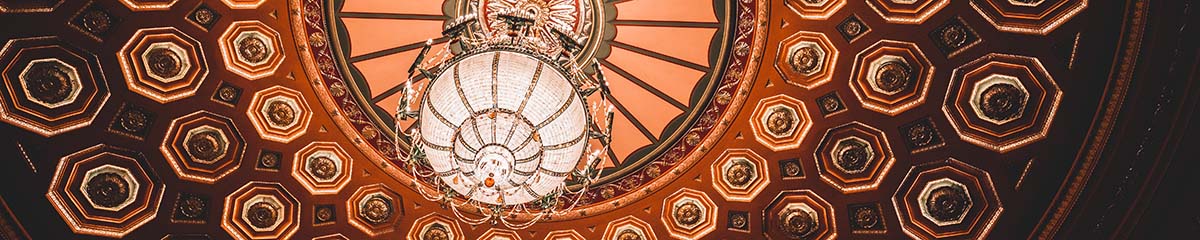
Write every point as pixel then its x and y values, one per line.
pixel 749 33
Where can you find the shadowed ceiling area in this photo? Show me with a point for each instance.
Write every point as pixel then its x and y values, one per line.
pixel 729 119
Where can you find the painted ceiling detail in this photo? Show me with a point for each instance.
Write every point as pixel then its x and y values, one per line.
pixel 732 119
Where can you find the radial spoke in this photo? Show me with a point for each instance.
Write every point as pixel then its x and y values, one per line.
pixel 661 56
pixel 641 127
pixel 644 85
pixel 655 23
pixel 394 89
pixel 395 50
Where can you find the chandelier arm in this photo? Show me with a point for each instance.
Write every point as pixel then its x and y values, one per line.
pixel 469 220
pixel 421 189
pixel 523 225
pixel 575 201
pixel 420 57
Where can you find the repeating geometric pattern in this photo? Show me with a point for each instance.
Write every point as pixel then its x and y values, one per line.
pixel 629 228
pixel 243 4
pixel 1029 17
pixel 14 6
pixel 854 157
pixel 799 215
pixel 434 226
pixel 869 73
pixel 892 77
pixel 907 11
pixel 815 9
pixel 149 5
pixel 564 235
pixel 806 59
pixel 322 167
pixel 500 234
pixel 375 209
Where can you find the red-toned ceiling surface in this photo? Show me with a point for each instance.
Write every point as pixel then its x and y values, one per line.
pixel 190 119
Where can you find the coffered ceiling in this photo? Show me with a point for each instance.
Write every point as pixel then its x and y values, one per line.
pixel 733 119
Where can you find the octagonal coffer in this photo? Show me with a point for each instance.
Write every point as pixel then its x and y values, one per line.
pixel 163 64
pixel 1036 17
pixel 806 59
pixel 149 5
pixel 854 157
pixel 436 226
pixel 780 122
pixel 19 6
pixel 689 214
pixel 203 147
pixel 891 77
pixel 815 9
pixel 322 167
pixel 375 209
pixel 105 191
pixel 279 114
pixel 629 227
pixel 1002 102
pixel 53 87
pixel 739 175
pixel 947 199
pixel 799 214
pixel 907 11
pixel 251 49
pixel 261 210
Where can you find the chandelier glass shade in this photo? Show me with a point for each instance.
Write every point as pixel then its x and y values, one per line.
pixel 504 122
pixel 503 127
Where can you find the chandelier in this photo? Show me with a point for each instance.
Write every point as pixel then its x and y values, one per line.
pixel 504 122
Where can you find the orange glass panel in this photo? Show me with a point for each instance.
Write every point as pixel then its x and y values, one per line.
pixel 385 72
pixel 626 137
pixel 674 80
pixel 688 44
pixel 372 35
pixel 667 10
pixel 653 112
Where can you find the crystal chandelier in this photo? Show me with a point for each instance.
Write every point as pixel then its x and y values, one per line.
pixel 505 121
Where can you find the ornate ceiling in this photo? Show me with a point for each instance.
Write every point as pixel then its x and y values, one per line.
pixel 734 119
